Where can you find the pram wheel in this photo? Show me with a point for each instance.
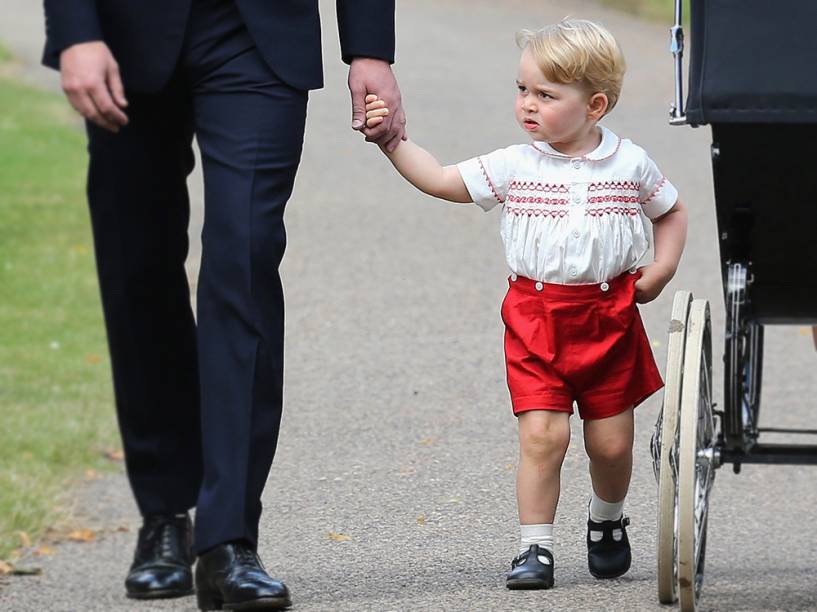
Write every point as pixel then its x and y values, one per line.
pixel 665 451
pixel 743 361
pixel 697 455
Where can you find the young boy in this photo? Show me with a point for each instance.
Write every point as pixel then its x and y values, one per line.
pixel 573 204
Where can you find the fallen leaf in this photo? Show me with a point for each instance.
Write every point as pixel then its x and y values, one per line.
pixel 339 537
pixel 509 466
pixel 91 474
pixel 656 343
pixel 25 541
pixel 114 455
pixel 454 500
pixel 82 535
pixel 93 359
pixel 123 528
pixel 26 571
pixel 5 568
pixel 805 331
pixel 43 550
pixel 426 441
pixel 421 520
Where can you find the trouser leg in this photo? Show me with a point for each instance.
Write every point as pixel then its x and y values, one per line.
pixel 249 126
pixel 140 210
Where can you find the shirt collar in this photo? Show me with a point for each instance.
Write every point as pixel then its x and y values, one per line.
pixel 608 147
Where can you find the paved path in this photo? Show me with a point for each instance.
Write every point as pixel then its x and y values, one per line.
pixel 397 431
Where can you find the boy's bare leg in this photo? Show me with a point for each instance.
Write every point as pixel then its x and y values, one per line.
pixel 609 444
pixel 544 436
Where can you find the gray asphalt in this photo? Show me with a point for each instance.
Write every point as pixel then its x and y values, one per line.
pixel 397 429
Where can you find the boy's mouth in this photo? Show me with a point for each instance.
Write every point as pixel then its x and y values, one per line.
pixel 530 124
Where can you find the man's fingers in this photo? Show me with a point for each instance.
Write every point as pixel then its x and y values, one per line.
pixel 115 86
pixel 84 104
pixel 106 107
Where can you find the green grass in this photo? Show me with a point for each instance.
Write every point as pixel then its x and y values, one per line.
pixel 56 406
pixel 662 11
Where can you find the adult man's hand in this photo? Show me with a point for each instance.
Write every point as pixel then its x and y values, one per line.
pixel 91 81
pixel 368 75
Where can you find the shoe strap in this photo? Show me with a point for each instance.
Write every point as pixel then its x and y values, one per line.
pixel 523 557
pixel 621 523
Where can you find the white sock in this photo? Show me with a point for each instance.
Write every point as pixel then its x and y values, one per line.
pixel 601 510
pixel 541 534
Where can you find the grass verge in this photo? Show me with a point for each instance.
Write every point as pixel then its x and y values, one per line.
pixel 662 11
pixel 56 406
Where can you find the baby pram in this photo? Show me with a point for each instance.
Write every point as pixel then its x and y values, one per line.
pixel 751 78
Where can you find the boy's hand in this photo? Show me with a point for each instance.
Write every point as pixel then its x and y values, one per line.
pixel 376 111
pixel 652 281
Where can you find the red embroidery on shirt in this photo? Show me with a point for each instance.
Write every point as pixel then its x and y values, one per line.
pixel 489 181
pixel 658 188
pixel 536 212
pixel 534 186
pixel 619 185
pixel 612 198
pixel 536 200
pixel 612 210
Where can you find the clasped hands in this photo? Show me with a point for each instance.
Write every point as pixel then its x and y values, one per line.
pixel 94 87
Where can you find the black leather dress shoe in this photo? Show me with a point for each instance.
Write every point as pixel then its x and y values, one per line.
pixel 163 559
pixel 529 572
pixel 231 577
pixel 608 558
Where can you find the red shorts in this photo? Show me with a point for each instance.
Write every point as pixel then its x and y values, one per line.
pixel 582 343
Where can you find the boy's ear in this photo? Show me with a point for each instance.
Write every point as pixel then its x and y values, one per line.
pixel 597 106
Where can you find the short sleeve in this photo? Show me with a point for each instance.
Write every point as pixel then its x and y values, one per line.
pixel 656 193
pixel 487 177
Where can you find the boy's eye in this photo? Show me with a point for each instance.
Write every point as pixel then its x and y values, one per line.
pixel 521 88
pixel 544 95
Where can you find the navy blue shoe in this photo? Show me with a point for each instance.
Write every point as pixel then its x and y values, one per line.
pixel 608 558
pixel 528 571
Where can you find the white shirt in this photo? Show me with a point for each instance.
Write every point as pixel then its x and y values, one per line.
pixel 571 220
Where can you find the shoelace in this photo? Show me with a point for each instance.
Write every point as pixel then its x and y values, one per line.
pixel 161 534
pixel 247 556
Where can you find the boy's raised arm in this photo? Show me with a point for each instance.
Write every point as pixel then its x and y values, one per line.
pixel 417 165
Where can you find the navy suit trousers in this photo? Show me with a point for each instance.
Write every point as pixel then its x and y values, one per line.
pixel 199 401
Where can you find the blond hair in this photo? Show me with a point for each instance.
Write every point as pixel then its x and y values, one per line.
pixel 578 51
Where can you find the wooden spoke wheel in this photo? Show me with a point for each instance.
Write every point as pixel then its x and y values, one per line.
pixel 697 456
pixel 665 451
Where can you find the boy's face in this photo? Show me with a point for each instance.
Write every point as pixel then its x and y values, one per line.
pixel 550 112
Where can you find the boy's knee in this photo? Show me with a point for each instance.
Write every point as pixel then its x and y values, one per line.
pixel 611 452
pixel 547 439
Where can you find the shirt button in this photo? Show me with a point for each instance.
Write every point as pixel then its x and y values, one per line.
pixel 577 162
pixel 576 233
pixel 605 286
pixel 577 198
pixel 513 277
pixel 539 286
pixel 572 271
